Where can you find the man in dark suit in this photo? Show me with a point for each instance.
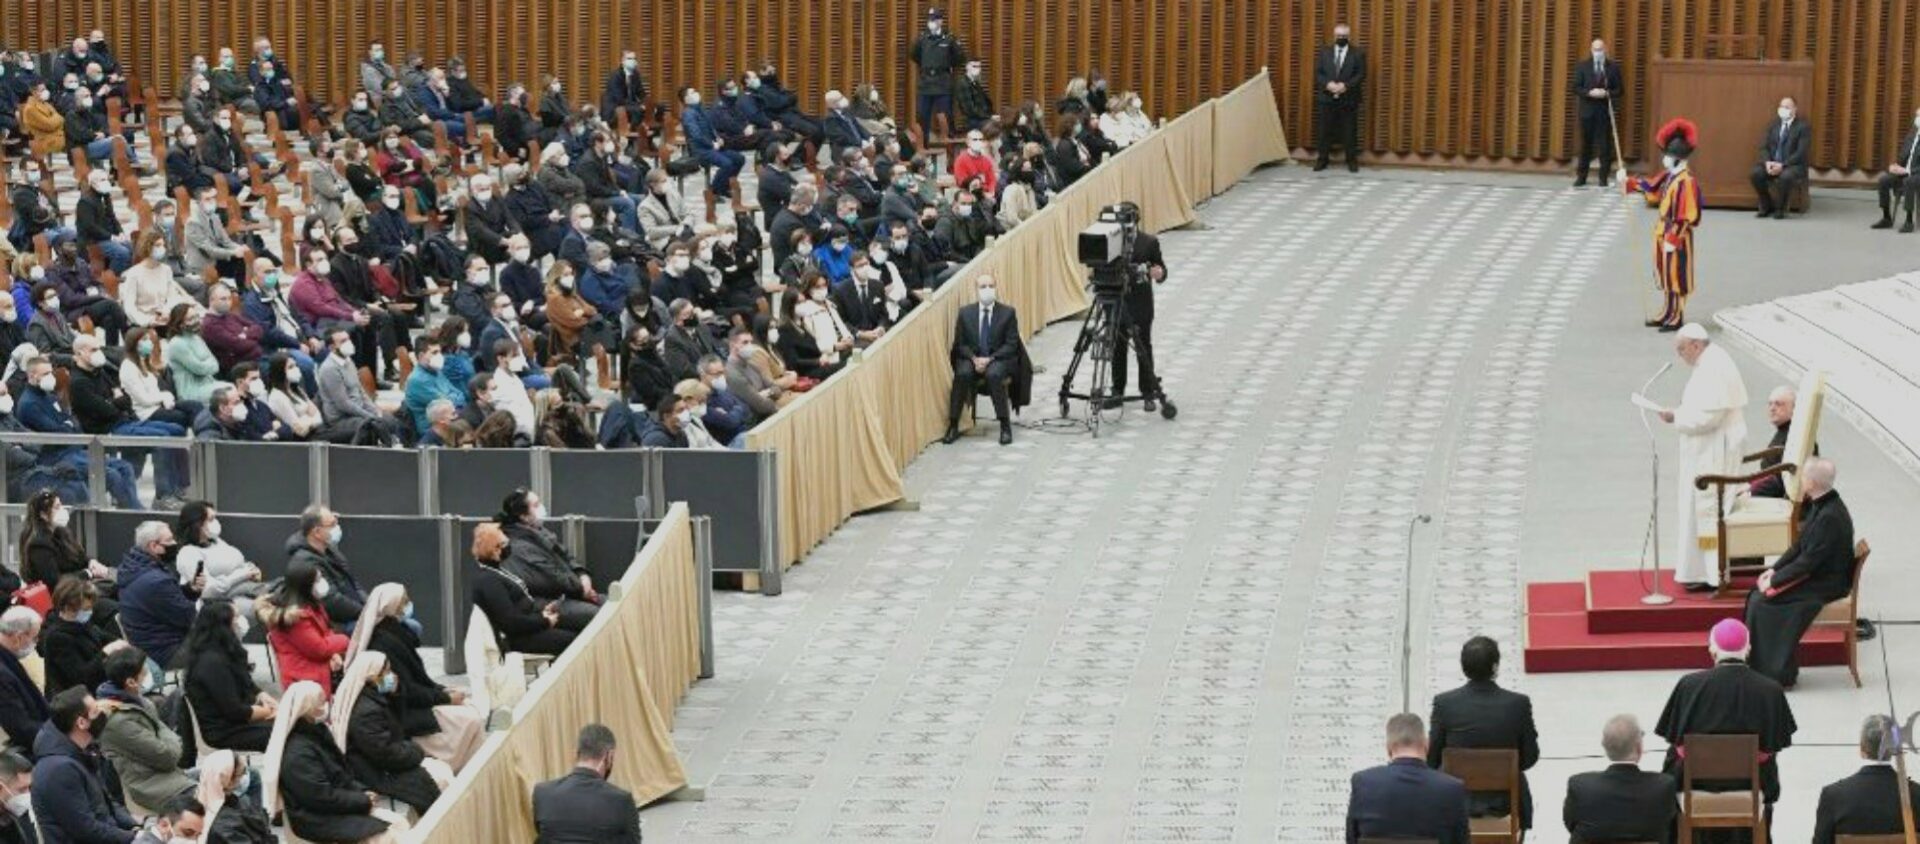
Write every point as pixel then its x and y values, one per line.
pixel 23 709
pixel 1597 86
pixel 627 89
pixel 1783 160
pixel 1404 798
pixel 1482 716
pixel 1867 803
pixel 1900 182
pixel 1139 303
pixel 1815 570
pixel 582 807
pixel 1338 72
pixel 986 347
pixel 1621 803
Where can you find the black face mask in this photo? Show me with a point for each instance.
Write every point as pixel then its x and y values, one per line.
pixel 1340 41
pixel 97 724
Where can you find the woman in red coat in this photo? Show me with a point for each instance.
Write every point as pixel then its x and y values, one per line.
pixel 298 630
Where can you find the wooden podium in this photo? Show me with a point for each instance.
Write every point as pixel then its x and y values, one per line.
pixel 1733 102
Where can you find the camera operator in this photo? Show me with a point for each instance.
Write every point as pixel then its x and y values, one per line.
pixel 1139 304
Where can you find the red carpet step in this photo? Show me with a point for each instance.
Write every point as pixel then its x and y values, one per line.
pixel 1601 625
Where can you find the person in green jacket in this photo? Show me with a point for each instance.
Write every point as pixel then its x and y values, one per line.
pixel 144 750
pixel 195 369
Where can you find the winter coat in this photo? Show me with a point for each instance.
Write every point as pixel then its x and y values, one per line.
pixel 303 642
pixel 380 755
pixel 324 803
pixel 143 749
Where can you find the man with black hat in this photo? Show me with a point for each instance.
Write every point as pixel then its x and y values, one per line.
pixel 1677 194
pixel 937 53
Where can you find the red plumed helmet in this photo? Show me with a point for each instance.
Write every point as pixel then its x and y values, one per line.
pixel 1678 137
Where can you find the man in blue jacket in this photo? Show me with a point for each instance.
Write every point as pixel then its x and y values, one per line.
pixel 70 801
pixel 602 283
pixel 1404 798
pixel 155 610
pixel 705 142
pixel 728 417
pixel 40 411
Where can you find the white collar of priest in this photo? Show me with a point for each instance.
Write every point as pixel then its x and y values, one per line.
pixel 1730 660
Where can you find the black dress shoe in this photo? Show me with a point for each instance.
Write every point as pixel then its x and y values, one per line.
pixel 1006 434
pixel 1353 166
pixel 1864 630
pixel 1780 214
pixel 1907 227
pixel 1150 404
pixel 1653 323
pixel 1319 165
pixel 1668 329
pixel 1580 182
pixel 1886 222
pixel 1763 213
pixel 1698 587
pixel 951 436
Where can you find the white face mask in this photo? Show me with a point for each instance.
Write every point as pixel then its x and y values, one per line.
pixel 1786 114
pixel 604 265
pixel 521 255
pixel 322 268
pixel 483 194
pixel 465 339
pixel 257 387
pixel 681 263
pixel 719 383
pixel 517 365
pixel 899 245
pixel 1669 161
pixel 978 147
pixel 239 413
pixel 213 529
pixel 390 201
pixel 989 295
pixel 321 589
pixel 293 376
pixel 46 383
pixel 6 405
pixel 61 515
pixel 159 252
pixel 479 277
pixel 539 512
pixel 820 295
pixel 97 359
pixel 346 349
pixel 18 804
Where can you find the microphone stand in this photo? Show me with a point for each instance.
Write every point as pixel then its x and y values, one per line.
pixel 1406 619
pixel 1657 597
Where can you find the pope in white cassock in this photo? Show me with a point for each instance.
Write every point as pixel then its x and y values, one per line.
pixel 1712 424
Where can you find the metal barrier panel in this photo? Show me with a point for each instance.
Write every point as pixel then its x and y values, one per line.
pixel 374 481
pixel 597 484
pixel 473 481
pixel 724 486
pixel 260 477
pixel 608 547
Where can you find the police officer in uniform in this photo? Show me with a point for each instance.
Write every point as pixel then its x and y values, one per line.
pixel 1139 304
pixel 938 54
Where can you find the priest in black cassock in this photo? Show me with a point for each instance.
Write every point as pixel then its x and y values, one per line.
pixel 1816 570
pixel 1729 698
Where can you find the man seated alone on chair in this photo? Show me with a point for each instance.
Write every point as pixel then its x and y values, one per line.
pixel 1404 798
pixel 1621 803
pixel 1816 570
pixel 1481 715
pixel 986 347
pixel 1867 803
pixel 1780 405
pixel 1728 699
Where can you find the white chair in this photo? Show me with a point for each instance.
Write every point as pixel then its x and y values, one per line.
pixel 496 681
pixel 1764 527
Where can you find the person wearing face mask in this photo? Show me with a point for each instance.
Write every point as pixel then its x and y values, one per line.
pixel 299 631
pixel 739 127
pixel 779 170
pixel 974 98
pixel 230 710
pixel 183 166
pixel 705 143
pixel 96 223
pixel 683 279
pixel 820 319
pixel 626 89
pixel 693 416
pixel 70 798
pixel 16 788
pixel 576 324
pixel 799 217
pixel 663 213
pixel 1020 199
pixel 536 556
pixel 1339 71
pixel 74 647
pixel 936 54
pixel 643 370
pixel 376 73
pixel 401 163
pixel 1900 181
pixel 315 301
pixel 197 105
pixel 1597 87
pixel 963 231
pixel 601 183
pixel 148 291
pixel 664 426
pixel 781 105
pixel 557 178
pixel 435 101
pixel 603 283
pixel 1782 168
pixel 48 329
pixel 541 221
pixel 1677 193
pixel 834 256
pixel 488 222
pixel 862 300
pixel 80 294
pixel 23 709
pixel 986 350
pixel 207 243
pixel 145 751
pixel 515 129
pixel 35 209
pixel 366 717
pixel 429 381
pixel 976 162
pixel 220 153
pixel 723 413
pixel 102 406
pixel 228 798
pixel 842 130
pixel 736 255
pixel 470 299
pixel 437 718
pixel 687 340
pixel 156 609
pixel 230 85
pixel 226 417
pixel 316 788
pixel 40 410
pixel 362 178
pixel 362 122
pixel 46 127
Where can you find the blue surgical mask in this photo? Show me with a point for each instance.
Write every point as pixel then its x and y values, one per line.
pixel 388 683
pixel 334 534
pixel 83 616
pixel 407 610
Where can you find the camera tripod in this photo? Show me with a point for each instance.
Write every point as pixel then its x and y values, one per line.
pixel 1108 331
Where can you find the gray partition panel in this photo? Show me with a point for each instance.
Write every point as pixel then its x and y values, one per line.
pixel 473 482
pixel 261 477
pixel 463 575
pixel 723 485
pixel 374 481
pixel 404 550
pixel 597 484
pixel 609 548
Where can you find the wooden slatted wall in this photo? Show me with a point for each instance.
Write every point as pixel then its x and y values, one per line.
pixel 1479 82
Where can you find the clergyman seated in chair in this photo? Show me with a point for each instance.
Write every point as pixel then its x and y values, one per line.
pixel 1816 570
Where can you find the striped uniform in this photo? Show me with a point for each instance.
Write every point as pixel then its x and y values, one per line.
pixel 1678 195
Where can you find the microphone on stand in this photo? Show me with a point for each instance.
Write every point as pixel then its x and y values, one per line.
pixel 1406 618
pixel 1655 597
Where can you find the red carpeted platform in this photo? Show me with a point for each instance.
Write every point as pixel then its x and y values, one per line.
pixel 1600 625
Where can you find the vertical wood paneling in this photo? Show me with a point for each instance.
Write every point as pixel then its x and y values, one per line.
pixel 1476 80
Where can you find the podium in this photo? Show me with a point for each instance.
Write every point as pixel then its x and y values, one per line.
pixel 1733 102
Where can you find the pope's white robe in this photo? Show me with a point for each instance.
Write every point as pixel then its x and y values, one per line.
pixel 1712 425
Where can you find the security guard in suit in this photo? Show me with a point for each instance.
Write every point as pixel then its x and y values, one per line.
pixel 1139 303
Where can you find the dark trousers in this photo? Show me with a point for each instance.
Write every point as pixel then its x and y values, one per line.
pixel 106 314
pixel 1596 144
pixel 966 382
pixel 1895 189
pixel 1140 328
pixel 1339 123
pixel 928 104
pixel 1776 192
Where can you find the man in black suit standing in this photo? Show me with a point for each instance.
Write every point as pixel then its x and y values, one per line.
pixel 1621 803
pixel 1867 803
pixel 1482 716
pixel 986 347
pixel 1597 86
pixel 582 807
pixel 1783 160
pixel 1404 798
pixel 1899 182
pixel 1338 72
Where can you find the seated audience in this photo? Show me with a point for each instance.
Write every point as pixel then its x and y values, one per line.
pixel 795 349
pixel 584 805
pixel 1783 161
pixel 156 609
pixel 727 416
pixel 822 320
pixel 429 383
pixel 436 717
pixel 49 551
pixel 317 542
pixel 145 752
pixel 230 575
pixel 1816 569
pixel 182 819
pixel 23 708
pixel 542 563
pixel 986 348
pixel 521 623
pixel 195 369
pixel 74 647
pixel 1404 798
pixel 1729 698
pixel 365 718
pixel 445 428
pixel 322 799
pixel 70 797
pixel 102 406
pixel 664 427
pixel 1868 802
pixel 1480 715
pixel 144 377
pixel 16 786
pixel 1621 803
pixel 226 418
pixel 40 411
pixel 229 709
pixel 229 795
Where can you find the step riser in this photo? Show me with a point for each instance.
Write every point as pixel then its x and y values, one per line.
pixel 1642 658
pixel 1669 619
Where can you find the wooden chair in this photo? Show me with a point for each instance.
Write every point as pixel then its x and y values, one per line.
pixel 1889 838
pixel 1845 613
pixel 1722 758
pixel 1486 770
pixel 1747 526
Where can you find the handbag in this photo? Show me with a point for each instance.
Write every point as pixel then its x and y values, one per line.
pixel 36 597
pixel 803 384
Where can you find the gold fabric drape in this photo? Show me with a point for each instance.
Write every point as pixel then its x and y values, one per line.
pixel 844 446
pixel 627 670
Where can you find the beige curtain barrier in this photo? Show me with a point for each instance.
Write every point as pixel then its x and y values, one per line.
pixel 843 447
pixel 627 670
